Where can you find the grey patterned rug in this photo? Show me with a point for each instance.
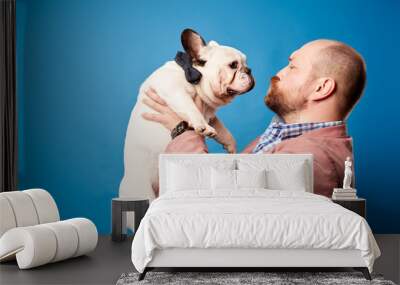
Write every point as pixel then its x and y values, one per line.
pixel 230 278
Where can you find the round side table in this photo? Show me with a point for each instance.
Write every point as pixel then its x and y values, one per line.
pixel 119 208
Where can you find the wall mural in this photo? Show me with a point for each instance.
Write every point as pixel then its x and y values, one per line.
pixel 311 97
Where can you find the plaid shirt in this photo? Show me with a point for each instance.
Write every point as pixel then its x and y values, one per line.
pixel 278 131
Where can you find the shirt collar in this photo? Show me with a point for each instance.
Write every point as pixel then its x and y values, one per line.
pixel 278 131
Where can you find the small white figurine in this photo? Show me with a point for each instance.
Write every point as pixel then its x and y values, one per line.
pixel 347 173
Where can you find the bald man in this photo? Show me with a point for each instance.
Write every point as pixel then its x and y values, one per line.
pixel 312 97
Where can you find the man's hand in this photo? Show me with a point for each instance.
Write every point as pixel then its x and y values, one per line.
pixel 166 116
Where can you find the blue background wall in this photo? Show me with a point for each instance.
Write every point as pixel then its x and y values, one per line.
pixel 81 62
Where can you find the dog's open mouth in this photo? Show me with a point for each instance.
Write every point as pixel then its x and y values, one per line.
pixel 231 92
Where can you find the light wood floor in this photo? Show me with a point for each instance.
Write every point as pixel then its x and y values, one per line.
pixel 110 260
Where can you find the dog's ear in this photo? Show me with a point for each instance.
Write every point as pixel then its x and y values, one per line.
pixel 213 44
pixel 192 42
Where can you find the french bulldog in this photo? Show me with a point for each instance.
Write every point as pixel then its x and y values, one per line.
pixel 224 75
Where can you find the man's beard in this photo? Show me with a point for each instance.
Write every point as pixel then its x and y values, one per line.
pixel 277 100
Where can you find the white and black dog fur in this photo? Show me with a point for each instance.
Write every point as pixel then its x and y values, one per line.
pixel 224 76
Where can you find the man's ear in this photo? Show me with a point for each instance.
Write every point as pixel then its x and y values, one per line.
pixel 192 42
pixel 324 88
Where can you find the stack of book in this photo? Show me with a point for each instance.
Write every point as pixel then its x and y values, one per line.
pixel 340 194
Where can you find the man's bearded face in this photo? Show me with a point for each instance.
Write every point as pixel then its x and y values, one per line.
pixel 283 101
pixel 291 86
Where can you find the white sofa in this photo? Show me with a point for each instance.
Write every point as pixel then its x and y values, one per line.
pixel 31 231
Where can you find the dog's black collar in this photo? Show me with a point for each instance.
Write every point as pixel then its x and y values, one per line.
pixel 184 60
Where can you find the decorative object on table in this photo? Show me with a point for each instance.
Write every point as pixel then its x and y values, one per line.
pixel 346 193
pixel 119 208
pixel 357 205
pixel 248 278
pixel 347 173
pixel 31 231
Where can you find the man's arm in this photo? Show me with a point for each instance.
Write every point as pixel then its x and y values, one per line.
pixel 187 142
pixel 249 148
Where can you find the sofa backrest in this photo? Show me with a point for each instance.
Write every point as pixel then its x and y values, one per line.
pixel 26 208
pixel 283 169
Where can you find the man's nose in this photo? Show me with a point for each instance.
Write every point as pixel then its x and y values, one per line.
pixel 281 73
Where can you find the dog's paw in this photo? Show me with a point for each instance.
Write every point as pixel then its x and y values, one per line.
pixel 205 130
pixel 230 148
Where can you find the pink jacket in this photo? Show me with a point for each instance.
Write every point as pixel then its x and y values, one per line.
pixel 330 147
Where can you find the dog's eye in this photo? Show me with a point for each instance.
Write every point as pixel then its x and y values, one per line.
pixel 200 62
pixel 233 65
